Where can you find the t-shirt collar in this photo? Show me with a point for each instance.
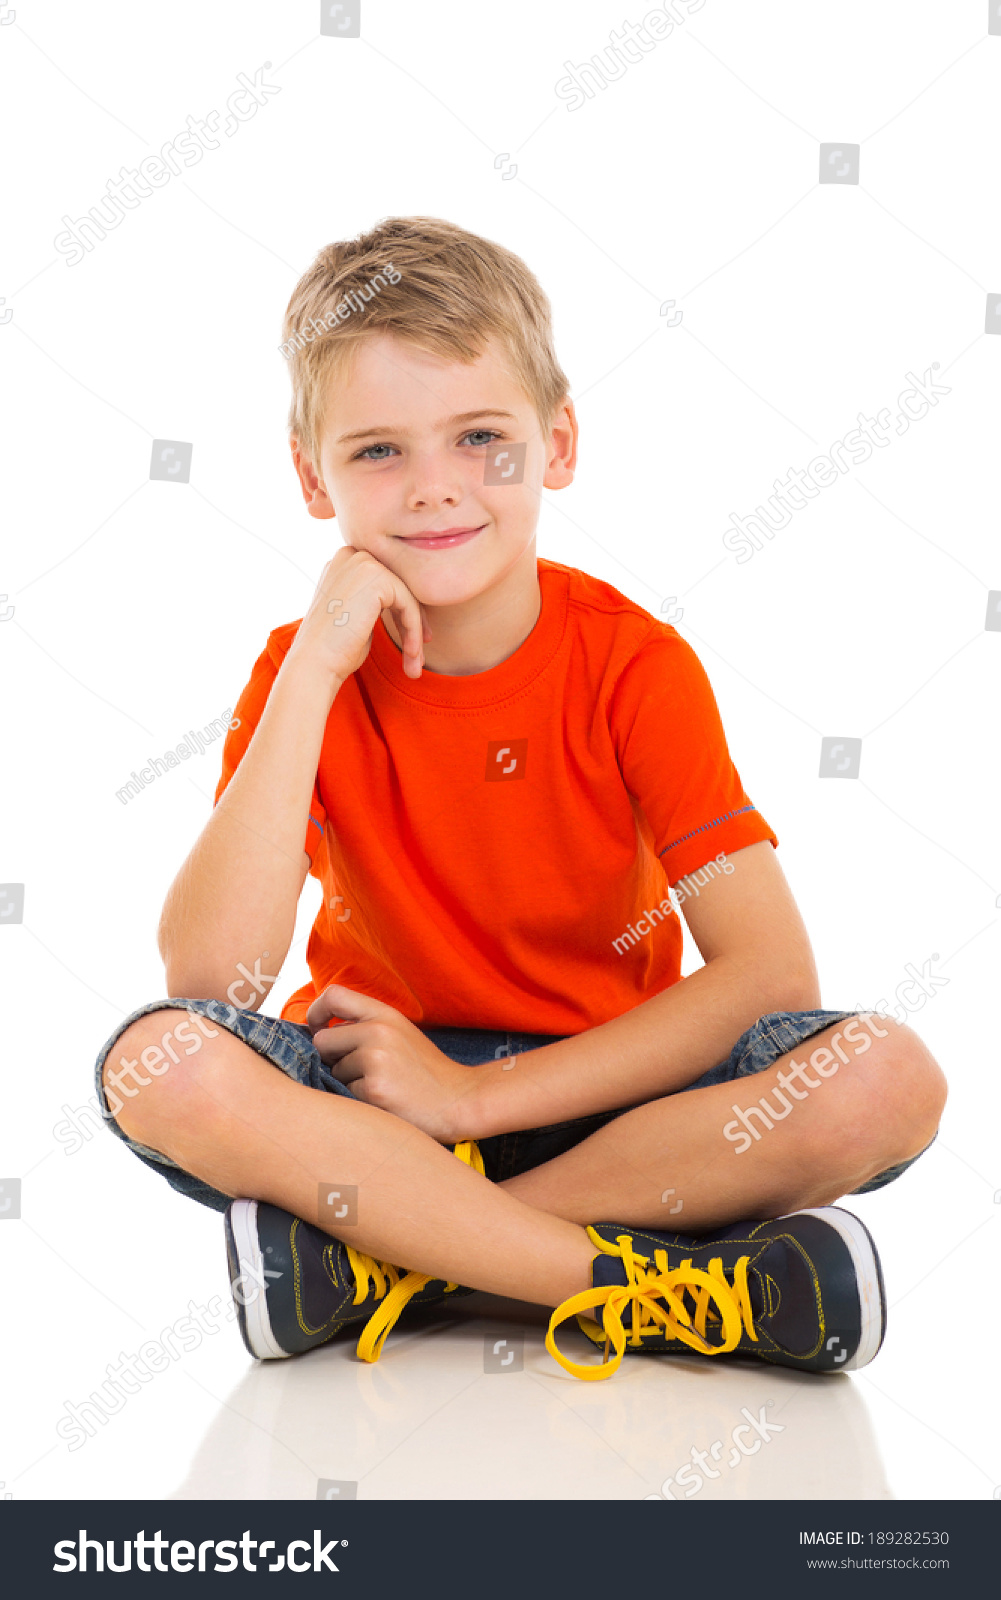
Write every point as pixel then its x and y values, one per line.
pixel 497 683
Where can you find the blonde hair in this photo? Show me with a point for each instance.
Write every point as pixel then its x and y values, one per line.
pixel 430 283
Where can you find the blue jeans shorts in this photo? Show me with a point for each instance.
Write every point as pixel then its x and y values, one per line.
pixel 289 1047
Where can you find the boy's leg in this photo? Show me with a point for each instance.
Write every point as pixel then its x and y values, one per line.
pixel 818 1134
pixel 231 1119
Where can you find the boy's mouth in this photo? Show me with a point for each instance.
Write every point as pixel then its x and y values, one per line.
pixel 445 539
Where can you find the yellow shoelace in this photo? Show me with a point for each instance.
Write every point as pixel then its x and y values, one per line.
pixel 657 1300
pixel 369 1271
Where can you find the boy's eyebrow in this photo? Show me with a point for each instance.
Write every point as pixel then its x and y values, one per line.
pixel 450 422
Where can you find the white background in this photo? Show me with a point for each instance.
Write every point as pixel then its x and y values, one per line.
pixel 139 608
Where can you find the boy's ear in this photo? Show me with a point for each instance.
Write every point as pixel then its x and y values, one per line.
pixel 562 449
pixel 317 500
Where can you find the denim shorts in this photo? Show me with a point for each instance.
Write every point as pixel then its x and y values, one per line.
pixel 289 1047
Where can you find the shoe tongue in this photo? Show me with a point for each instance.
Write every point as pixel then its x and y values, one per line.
pixel 756 1293
pixel 792 1314
pixel 608 1272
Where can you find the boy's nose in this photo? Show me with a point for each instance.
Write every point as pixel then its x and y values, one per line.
pixel 432 484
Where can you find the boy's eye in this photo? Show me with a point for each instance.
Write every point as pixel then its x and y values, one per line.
pixel 477 437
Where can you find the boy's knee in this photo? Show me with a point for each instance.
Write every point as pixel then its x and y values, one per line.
pixel 153 1068
pixel 910 1091
pixel 887 1111
pixel 894 1103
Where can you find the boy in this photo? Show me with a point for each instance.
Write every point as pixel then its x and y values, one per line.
pixel 496 765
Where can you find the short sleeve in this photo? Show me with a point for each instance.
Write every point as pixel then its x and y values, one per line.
pixel 674 758
pixel 243 724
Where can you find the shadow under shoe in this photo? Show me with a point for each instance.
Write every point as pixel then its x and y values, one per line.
pixel 805 1291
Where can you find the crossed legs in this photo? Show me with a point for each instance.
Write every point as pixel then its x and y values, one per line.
pixel 229 1117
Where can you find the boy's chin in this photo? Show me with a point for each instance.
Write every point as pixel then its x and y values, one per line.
pixel 449 585
pixel 440 592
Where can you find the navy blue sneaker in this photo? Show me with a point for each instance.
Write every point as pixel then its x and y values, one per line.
pixel 803 1291
pixel 295 1287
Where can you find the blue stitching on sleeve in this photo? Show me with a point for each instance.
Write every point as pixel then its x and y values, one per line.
pixel 315 823
pixel 713 824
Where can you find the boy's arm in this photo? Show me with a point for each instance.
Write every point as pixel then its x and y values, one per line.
pixel 234 899
pixel 757 959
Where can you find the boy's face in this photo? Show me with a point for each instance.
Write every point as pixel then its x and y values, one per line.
pixel 407 439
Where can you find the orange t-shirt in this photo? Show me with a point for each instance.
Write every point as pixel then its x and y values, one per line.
pixel 485 842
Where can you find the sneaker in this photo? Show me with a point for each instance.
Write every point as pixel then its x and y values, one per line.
pixel 803 1291
pixel 294 1286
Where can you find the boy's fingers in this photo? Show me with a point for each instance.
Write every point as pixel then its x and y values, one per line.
pixel 409 619
pixel 338 1002
pixel 396 598
pixel 334 1043
pixel 347 1071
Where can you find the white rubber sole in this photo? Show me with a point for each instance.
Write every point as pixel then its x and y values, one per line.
pixel 863 1257
pixel 243 1221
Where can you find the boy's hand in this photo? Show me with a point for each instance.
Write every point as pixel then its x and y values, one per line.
pixel 389 1063
pixel 335 635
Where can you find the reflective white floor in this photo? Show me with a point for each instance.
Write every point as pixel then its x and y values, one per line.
pixel 427 1421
